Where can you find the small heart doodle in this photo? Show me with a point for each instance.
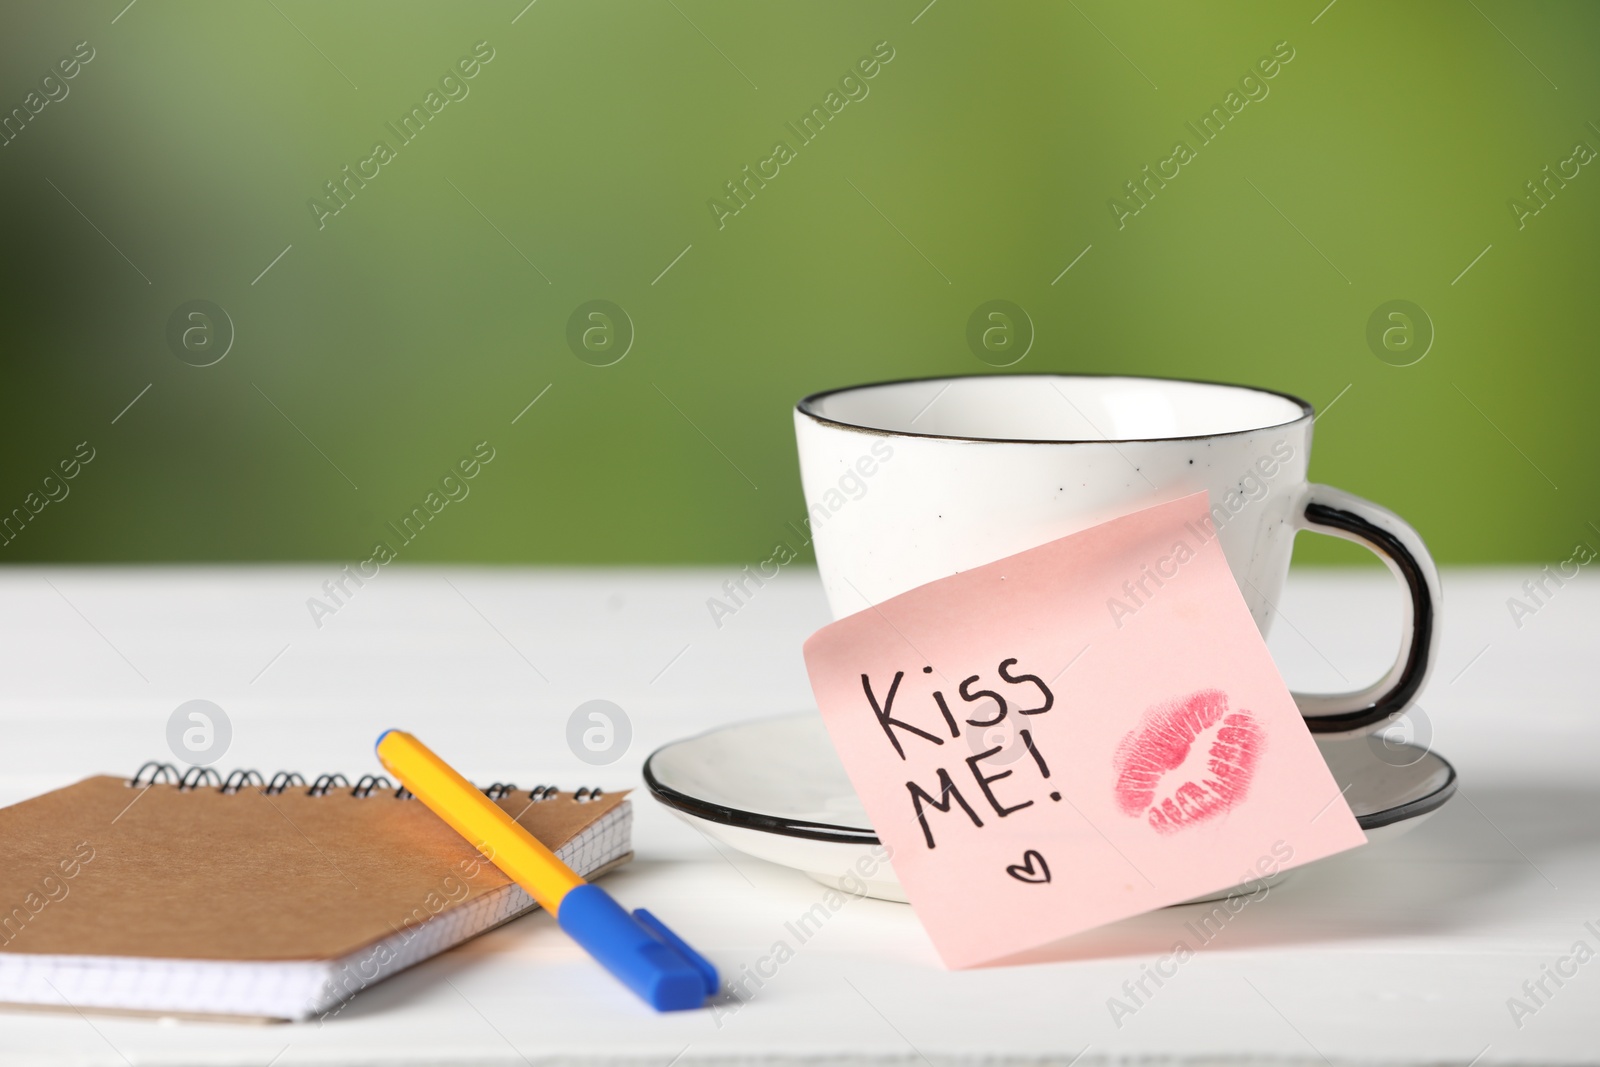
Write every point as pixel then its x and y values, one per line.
pixel 1033 869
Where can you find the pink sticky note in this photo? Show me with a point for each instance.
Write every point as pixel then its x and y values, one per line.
pixel 1046 750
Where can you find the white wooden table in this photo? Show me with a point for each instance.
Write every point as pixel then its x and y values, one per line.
pixel 1400 953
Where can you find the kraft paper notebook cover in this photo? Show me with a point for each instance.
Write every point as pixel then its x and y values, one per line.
pixel 268 901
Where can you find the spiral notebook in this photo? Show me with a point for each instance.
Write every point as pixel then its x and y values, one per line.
pixel 256 899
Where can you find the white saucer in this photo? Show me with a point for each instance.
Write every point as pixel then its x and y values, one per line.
pixel 775 789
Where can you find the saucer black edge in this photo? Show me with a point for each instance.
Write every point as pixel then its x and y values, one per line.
pixel 850 835
pixel 750 820
pixel 1411 809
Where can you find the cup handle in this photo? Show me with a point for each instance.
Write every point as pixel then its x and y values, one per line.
pixel 1331 511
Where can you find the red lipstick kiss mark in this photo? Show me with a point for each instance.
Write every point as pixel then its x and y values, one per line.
pixel 1161 744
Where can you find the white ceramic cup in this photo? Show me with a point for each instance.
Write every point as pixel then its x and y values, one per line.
pixel 908 482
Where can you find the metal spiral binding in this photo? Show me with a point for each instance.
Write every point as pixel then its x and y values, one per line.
pixel 239 779
pixel 195 777
pixel 368 783
pixel 154 772
pixel 158 772
pixel 281 781
pixel 325 782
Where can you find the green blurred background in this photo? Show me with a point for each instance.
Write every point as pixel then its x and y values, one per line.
pixel 434 307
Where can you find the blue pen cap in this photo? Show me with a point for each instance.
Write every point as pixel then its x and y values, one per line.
pixel 644 955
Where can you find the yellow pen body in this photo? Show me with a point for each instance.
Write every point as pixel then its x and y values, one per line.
pixel 478 819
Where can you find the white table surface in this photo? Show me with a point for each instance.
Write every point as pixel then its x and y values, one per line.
pixel 1399 953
